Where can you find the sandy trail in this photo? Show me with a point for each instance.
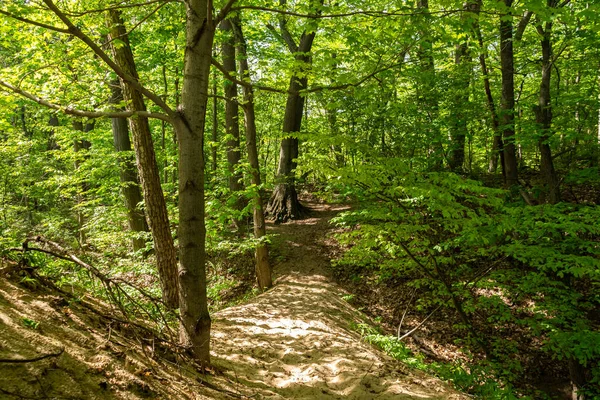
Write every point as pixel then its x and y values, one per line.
pixel 295 341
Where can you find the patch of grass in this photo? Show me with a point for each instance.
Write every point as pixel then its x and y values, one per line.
pixel 348 298
pixel 29 323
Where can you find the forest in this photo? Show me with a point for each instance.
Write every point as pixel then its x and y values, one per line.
pixel 156 154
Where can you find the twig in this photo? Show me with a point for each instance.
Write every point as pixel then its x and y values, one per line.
pixel 406 311
pixel 418 326
pixel 28 360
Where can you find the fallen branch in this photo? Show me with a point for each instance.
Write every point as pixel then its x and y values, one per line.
pixel 406 311
pixel 28 360
pixel 112 285
pixel 407 334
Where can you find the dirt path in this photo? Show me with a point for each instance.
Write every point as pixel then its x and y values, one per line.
pixel 293 342
pixel 296 342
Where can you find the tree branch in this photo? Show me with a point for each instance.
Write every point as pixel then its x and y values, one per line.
pixel 138 24
pixel 522 25
pixel 74 30
pixel 224 11
pixel 231 78
pixel 28 360
pixel 285 33
pixel 368 13
pixel 118 7
pixel 81 113
pixel 354 84
pixel 35 23
pixel 407 334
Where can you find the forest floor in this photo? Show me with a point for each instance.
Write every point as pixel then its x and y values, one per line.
pixel 295 341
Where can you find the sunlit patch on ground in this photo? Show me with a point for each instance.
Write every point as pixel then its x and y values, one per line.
pixel 296 341
pixel 293 342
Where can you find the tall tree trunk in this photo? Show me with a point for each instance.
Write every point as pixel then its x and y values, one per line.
pixel 458 127
pixel 127 172
pixel 427 97
pixel 52 123
pixel 543 115
pixel 507 106
pixel 263 268
pixel 215 131
pixel 232 126
pixel 596 136
pixel 156 207
pixel 196 323
pixel 78 145
pixel 283 204
pixel 497 145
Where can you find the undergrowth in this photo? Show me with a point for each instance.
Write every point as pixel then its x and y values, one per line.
pixel 521 282
pixel 478 380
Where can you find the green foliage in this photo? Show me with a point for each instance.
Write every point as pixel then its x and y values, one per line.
pixel 382 137
pixel 535 270
pixel 29 323
pixel 479 380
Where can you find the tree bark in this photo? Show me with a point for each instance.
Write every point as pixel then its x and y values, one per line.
pixel 543 115
pixel 78 145
pixel 263 267
pixel 497 145
pixel 283 204
pixel 507 106
pixel 156 207
pixel 196 323
pixel 215 131
pixel 52 123
pixel 458 127
pixel 232 127
pixel 427 97
pixel 128 173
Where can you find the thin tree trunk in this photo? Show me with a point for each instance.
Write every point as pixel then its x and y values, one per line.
pixel 543 113
pixel 596 139
pixel 458 127
pixel 52 123
pixel 232 126
pixel 507 106
pixel 427 97
pixel 497 145
pixel 196 323
pixel 127 172
pixel 263 268
pixel 78 145
pixel 156 207
pixel 214 135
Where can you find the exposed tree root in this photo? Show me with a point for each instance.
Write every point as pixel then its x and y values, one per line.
pixel 284 205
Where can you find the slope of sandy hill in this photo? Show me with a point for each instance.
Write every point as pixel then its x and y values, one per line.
pixel 293 342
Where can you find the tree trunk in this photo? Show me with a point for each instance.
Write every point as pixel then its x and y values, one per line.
pixel 78 145
pixel 214 135
pixel 263 268
pixel 427 97
pixel 497 145
pixel 283 204
pixel 196 323
pixel 156 207
pixel 458 127
pixel 232 126
pixel 579 379
pixel 52 123
pixel 507 106
pixel 127 172
pixel 543 113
